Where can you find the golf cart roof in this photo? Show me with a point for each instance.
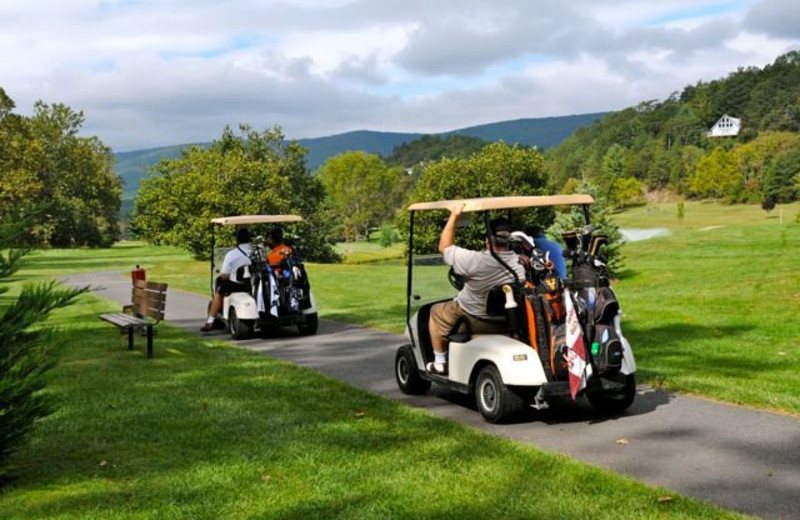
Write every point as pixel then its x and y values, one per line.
pixel 489 203
pixel 255 219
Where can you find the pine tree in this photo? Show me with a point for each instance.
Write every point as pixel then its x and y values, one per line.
pixel 27 350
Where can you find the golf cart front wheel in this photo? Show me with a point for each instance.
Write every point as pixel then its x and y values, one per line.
pixel 494 399
pixel 240 329
pixel 616 401
pixel 407 374
pixel 309 328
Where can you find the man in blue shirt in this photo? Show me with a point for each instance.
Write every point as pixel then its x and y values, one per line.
pixel 541 242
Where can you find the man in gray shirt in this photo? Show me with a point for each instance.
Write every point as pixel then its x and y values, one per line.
pixel 481 272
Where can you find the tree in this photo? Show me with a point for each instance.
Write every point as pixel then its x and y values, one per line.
pixel 628 192
pixel 779 182
pixel 247 173
pixel 27 349
pixel 44 162
pixel 497 170
pixel 768 204
pixel 613 169
pixel 363 190
pixel 716 175
pixel 601 217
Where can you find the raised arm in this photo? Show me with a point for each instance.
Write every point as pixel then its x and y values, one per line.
pixel 448 237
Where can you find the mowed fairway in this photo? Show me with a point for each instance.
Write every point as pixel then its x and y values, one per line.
pixel 206 431
pixel 711 309
pixel 714 308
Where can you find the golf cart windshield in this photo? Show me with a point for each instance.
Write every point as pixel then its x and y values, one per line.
pixel 428 279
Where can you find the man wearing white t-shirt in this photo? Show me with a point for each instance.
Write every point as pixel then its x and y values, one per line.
pixel 229 280
pixel 481 272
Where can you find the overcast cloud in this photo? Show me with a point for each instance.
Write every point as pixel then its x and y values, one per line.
pixel 150 73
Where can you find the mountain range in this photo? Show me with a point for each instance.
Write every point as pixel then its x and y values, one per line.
pixel 544 132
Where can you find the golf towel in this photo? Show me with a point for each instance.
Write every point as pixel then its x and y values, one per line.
pixel 274 296
pixel 579 369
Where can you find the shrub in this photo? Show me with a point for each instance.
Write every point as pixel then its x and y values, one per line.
pixel 388 235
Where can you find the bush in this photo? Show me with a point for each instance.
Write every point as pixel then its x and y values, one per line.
pixel 388 235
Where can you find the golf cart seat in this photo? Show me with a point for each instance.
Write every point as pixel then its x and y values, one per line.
pixel 529 321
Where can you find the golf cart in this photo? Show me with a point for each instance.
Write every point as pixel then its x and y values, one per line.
pixel 530 365
pixel 276 296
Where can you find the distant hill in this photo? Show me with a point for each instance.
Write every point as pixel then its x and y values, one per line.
pixel 131 166
pixel 543 132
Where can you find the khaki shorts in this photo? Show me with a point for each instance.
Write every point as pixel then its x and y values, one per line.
pixel 445 315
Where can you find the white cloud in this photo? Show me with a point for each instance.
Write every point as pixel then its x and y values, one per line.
pixel 159 72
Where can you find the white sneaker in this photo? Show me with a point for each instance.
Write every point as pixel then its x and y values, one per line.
pixel 437 368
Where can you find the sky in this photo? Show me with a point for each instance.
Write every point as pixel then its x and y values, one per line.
pixel 151 73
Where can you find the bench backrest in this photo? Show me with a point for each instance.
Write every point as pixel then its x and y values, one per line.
pixel 149 299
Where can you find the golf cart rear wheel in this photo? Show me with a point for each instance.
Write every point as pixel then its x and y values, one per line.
pixel 494 399
pixel 613 402
pixel 407 374
pixel 240 329
pixel 309 328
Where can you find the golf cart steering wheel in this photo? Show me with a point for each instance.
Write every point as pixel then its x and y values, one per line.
pixel 455 279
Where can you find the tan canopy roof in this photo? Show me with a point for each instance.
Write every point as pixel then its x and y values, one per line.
pixel 489 203
pixel 255 219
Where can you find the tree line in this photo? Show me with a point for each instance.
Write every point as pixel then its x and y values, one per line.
pixel 656 145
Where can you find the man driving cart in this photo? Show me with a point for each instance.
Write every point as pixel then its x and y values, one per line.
pixel 481 272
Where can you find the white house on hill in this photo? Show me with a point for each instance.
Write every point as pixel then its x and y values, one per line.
pixel 727 126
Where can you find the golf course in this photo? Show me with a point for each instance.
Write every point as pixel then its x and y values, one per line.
pixel 208 430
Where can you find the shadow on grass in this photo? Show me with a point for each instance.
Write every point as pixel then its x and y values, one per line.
pixel 197 429
pixel 671 334
pixel 626 273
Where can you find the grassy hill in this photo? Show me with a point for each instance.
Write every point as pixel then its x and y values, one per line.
pixel 543 132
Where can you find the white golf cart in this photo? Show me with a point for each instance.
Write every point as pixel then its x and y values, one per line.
pixel 276 296
pixel 528 365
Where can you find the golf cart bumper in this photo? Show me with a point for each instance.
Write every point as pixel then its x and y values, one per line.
pixel 517 362
pixel 595 383
pixel 247 309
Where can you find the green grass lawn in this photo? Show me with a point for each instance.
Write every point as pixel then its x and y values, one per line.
pixel 708 311
pixel 715 311
pixel 206 430
pixel 367 252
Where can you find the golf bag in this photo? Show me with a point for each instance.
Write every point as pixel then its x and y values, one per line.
pixel 281 290
pixel 597 303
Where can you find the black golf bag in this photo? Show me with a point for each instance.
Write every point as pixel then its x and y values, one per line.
pixel 596 302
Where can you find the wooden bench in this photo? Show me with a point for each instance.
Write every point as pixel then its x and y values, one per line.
pixel 148 300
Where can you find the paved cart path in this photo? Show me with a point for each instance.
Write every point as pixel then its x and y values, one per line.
pixel 731 456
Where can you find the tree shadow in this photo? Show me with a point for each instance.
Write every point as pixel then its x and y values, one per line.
pixel 625 274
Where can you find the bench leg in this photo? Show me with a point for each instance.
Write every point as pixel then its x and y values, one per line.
pixel 149 341
pixel 130 338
